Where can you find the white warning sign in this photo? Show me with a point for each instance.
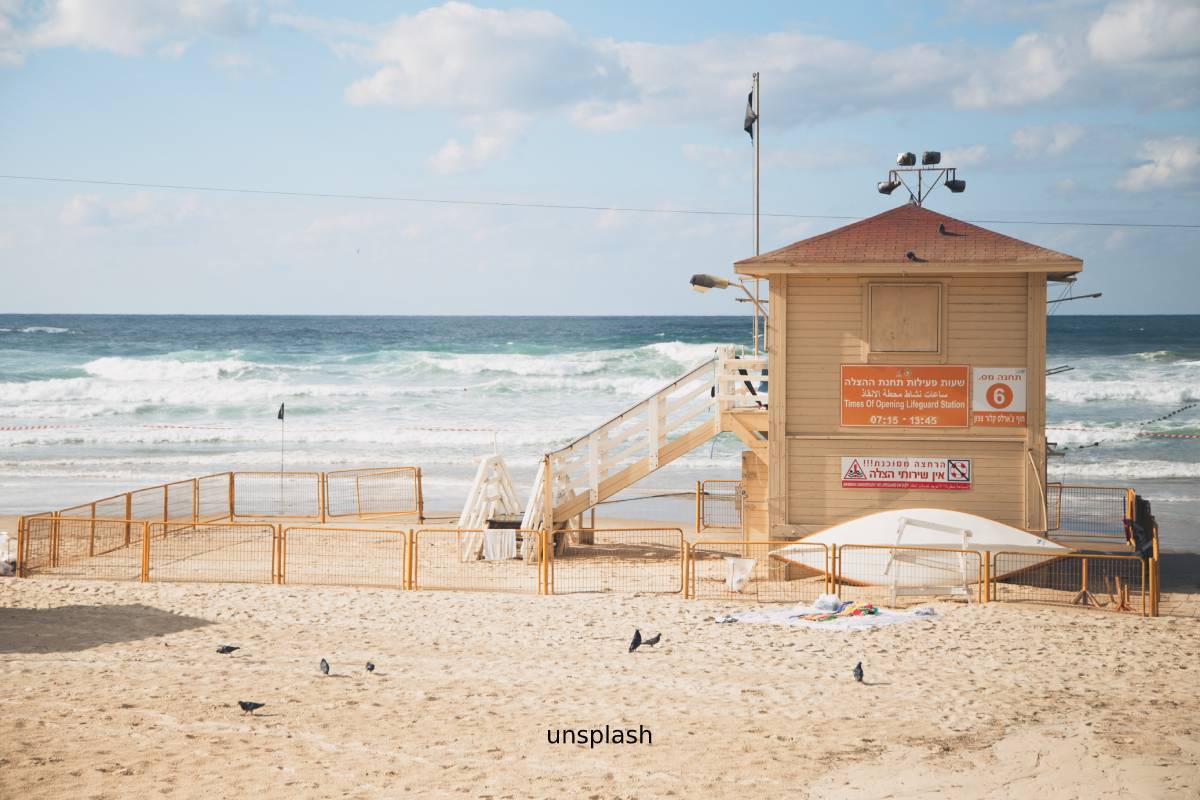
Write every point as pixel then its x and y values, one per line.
pixel 905 472
pixel 998 397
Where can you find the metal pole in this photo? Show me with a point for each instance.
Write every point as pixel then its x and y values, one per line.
pixel 757 146
pixel 281 424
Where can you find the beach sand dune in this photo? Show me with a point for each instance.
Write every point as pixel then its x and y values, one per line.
pixel 113 690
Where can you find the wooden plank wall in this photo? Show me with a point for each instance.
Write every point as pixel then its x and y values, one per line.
pixel 987 325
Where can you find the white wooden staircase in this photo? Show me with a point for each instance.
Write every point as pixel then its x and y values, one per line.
pixel 716 396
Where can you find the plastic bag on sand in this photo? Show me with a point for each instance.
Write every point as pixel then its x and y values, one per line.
pixel 827 602
pixel 738 571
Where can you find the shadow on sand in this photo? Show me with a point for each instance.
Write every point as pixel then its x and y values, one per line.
pixel 72 628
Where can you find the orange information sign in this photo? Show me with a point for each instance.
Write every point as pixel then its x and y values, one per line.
pixel 912 396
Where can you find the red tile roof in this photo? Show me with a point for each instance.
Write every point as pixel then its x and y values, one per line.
pixel 884 239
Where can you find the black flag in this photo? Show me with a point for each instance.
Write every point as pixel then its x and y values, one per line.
pixel 751 117
pixel 280 416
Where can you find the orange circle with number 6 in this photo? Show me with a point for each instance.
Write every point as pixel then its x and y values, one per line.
pixel 999 395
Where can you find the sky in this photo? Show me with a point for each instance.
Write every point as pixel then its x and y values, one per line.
pixel 1053 111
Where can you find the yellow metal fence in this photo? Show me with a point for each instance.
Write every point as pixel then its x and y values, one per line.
pixel 588 561
pixel 756 571
pixel 374 492
pixel 1088 513
pixel 718 504
pixel 649 560
pixel 308 496
pixel 1112 582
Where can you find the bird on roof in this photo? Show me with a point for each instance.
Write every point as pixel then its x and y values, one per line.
pixel 637 640
pixel 249 707
pixel 226 649
pixel 324 667
pixel 370 667
pixel 653 640
pixel 858 673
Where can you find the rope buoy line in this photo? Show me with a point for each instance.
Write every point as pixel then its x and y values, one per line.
pixel 1173 413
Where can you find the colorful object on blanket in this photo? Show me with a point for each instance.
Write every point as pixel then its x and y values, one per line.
pixel 846 610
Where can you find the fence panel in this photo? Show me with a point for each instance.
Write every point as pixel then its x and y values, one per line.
pixel 377 492
pixel 447 559
pixel 277 495
pixel 212 497
pixel 1115 583
pixel 72 547
pixel 233 552
pixel 763 572
pixel 148 503
pixel 617 560
pixel 1088 512
pixel 344 556
pixel 884 575
pixel 720 504
pixel 181 501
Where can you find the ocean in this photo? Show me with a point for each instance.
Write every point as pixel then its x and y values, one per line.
pixel 94 405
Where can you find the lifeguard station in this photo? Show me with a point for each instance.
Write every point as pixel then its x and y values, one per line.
pixel 906 360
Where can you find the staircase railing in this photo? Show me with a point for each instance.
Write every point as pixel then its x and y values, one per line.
pixel 674 420
pixel 626 448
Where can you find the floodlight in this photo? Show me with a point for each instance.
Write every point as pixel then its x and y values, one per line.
pixel 702 283
pixel 956 185
pixel 887 187
pixel 906 159
pixel 931 157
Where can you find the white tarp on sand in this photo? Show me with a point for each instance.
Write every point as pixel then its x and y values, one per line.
pixel 794 617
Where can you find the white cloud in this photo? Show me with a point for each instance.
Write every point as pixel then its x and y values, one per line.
pixel 139 211
pixel 232 60
pixel 1172 163
pixel 971 156
pixel 125 27
pixel 494 134
pixel 1035 68
pixel 1153 45
pixel 460 57
pixel 1041 141
pixel 1146 30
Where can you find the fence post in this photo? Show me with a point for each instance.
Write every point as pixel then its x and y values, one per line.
pixel 20 571
pixel 54 540
pixel 232 515
pixel 683 564
pixel 404 559
pixel 699 504
pixel 195 500
pixel 548 497
pixel 128 515
pixel 411 560
pixel 166 502
pixel 145 576
pixel 420 498
pixel 324 490
pixel 1154 585
pixel 92 533
pixel 837 570
pixel 279 551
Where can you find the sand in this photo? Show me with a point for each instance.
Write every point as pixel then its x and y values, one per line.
pixel 113 690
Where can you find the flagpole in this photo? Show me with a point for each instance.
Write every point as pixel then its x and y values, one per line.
pixel 757 144
pixel 281 427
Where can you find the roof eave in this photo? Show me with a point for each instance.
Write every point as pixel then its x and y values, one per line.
pixel 759 268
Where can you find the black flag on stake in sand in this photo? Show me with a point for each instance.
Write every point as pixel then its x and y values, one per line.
pixel 280 411
pixel 751 117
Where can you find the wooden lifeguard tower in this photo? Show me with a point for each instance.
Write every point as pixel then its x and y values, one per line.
pixel 907 369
